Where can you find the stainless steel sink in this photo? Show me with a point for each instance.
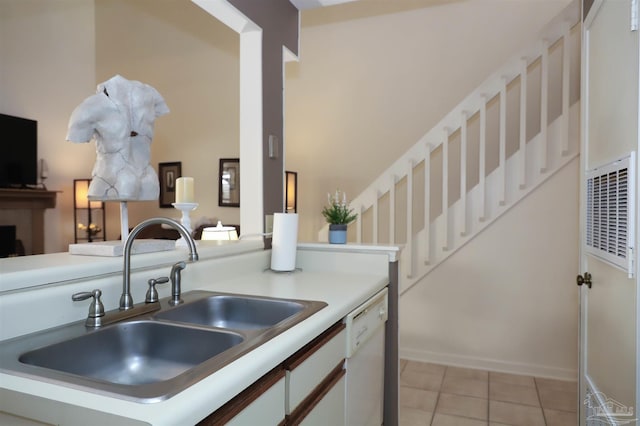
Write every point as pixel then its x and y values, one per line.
pixel 134 353
pixel 155 355
pixel 235 312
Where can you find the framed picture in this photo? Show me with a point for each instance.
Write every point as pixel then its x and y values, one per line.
pixel 229 182
pixel 167 174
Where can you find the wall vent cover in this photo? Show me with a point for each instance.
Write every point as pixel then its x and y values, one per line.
pixel 610 215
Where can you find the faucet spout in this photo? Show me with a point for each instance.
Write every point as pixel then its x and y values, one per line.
pixel 126 301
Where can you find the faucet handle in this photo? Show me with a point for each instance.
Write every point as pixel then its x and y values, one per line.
pixel 96 309
pixel 152 293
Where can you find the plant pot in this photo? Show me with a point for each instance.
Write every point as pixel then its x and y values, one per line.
pixel 338 234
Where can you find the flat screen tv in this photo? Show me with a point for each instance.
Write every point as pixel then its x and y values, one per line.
pixel 18 152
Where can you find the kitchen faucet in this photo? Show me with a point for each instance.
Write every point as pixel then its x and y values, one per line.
pixel 126 301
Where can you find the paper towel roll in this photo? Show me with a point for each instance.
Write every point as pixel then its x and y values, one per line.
pixel 284 242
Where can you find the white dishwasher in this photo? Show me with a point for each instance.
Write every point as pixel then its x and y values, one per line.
pixel 365 362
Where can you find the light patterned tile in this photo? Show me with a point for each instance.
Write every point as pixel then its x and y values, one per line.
pixel 414 417
pixel 513 379
pixel 421 399
pixel 447 420
pixel 413 379
pixel 425 367
pixel 467 373
pixel 558 400
pixel 466 387
pixel 464 406
pixel 513 393
pixel 560 385
pixel 515 414
pixel 560 418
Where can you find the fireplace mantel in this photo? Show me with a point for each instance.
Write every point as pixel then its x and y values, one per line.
pixel 35 200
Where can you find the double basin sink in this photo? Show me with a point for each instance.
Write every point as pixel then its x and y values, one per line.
pixel 153 356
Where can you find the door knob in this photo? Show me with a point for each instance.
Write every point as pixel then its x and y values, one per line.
pixel 586 279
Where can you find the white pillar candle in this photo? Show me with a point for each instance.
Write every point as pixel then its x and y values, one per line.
pixel 184 190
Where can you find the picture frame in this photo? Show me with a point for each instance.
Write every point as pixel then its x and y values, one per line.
pixel 229 182
pixel 167 175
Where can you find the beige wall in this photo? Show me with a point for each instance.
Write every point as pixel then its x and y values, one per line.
pixel 375 76
pixel 507 300
pixel 46 65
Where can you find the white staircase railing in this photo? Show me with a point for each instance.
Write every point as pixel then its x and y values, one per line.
pixel 518 124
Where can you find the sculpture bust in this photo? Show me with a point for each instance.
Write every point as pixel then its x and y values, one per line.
pixel 120 117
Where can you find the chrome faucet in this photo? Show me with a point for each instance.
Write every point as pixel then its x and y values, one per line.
pixel 126 301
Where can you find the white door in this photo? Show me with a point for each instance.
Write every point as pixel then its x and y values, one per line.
pixel 609 304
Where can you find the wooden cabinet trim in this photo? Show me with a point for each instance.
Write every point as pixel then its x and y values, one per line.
pixel 312 347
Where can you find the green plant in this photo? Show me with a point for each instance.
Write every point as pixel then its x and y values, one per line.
pixel 337 212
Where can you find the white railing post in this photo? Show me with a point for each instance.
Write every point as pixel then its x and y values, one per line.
pixel 445 188
pixel 427 203
pixel 566 64
pixel 503 143
pixel 409 230
pixel 463 173
pixel 375 218
pixel 544 104
pixel 359 224
pixel 523 125
pixel 482 158
pixel 392 210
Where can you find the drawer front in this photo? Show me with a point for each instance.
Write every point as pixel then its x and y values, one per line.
pixel 304 377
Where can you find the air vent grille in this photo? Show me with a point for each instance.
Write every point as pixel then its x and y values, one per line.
pixel 609 232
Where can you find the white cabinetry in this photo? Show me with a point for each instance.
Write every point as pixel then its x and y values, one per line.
pixel 315 380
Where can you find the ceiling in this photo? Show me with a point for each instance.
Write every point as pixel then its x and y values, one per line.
pixel 312 4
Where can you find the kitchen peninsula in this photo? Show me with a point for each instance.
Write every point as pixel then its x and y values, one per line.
pixel 35 294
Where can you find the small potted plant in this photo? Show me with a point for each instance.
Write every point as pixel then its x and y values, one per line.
pixel 338 215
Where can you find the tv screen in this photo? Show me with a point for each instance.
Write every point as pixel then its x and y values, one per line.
pixel 19 152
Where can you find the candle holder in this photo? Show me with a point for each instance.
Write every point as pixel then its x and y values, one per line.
pixel 186 209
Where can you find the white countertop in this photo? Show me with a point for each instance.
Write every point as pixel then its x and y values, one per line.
pixel 342 291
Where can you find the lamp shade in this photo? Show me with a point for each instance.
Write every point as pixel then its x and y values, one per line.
pixel 81 195
pixel 219 233
pixel 80 190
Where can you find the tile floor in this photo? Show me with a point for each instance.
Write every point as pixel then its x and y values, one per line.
pixel 438 395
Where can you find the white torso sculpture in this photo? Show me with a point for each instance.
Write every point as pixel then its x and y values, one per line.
pixel 120 117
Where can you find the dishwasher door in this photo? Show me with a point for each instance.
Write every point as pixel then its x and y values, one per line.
pixel 365 362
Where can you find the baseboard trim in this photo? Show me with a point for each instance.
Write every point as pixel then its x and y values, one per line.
pixel 489 364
